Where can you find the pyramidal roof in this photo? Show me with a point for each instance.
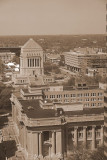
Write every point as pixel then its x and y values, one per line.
pixel 31 44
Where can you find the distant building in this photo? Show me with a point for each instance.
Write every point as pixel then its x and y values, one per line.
pixel 53 58
pixel 31 63
pixel 86 62
pixel 6 56
pixel 48 79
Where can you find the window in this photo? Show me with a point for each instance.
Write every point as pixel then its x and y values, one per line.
pixel 93 99
pixel 80 135
pixel 93 94
pixel 86 94
pixel 66 100
pixel 100 94
pixel 97 134
pixel 93 104
pixel 73 95
pixel 89 134
pixel 59 96
pixel 79 95
pixel 100 104
pixel 99 99
pixel 46 96
pixel 86 105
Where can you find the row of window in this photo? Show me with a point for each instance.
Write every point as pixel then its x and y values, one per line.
pixel 5 57
pixel 78 95
pixel 86 99
pixel 88 133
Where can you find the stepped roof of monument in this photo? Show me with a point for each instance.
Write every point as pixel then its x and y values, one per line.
pixel 31 44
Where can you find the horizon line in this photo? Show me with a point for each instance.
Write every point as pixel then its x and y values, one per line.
pixel 53 34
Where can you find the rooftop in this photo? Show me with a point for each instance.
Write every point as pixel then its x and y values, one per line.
pixel 86 111
pixel 31 44
pixel 33 110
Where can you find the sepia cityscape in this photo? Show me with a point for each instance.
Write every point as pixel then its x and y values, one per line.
pixel 53 80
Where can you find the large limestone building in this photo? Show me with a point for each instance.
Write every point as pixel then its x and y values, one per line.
pixel 51 129
pixel 31 63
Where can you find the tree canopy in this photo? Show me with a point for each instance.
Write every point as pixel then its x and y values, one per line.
pixel 5 94
pixel 2 67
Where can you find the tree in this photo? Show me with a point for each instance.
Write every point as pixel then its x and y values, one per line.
pixel 48 67
pixel 2 67
pixel 16 59
pixel 85 154
pixel 71 82
pixel 7 149
pixel 98 154
pixel 5 94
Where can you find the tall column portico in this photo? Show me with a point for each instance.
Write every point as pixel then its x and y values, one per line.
pixel 93 137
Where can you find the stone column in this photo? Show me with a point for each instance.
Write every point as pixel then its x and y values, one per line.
pixel 75 136
pixel 35 62
pixel 35 143
pixel 59 142
pixel 53 143
pixel 84 136
pixel 29 142
pixel 24 144
pixel 66 140
pixel 93 137
pixel 40 144
pixel 102 135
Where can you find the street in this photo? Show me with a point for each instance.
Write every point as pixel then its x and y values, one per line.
pixel 8 134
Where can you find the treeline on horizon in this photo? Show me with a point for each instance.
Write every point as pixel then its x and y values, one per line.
pixel 59 43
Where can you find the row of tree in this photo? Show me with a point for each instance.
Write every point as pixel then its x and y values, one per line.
pixel 85 154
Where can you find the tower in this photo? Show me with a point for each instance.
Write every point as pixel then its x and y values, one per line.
pixel 31 59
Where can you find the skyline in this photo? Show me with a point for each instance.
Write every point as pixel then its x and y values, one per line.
pixel 58 17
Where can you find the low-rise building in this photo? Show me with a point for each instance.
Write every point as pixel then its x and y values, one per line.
pixel 86 62
pixel 6 56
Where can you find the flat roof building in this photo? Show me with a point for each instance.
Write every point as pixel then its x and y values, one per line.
pixel 6 56
pixel 49 128
pixel 79 61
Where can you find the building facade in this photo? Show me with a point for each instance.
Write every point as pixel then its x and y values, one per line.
pixel 84 62
pixel 49 129
pixel 31 59
pixel 6 56
pixel 31 64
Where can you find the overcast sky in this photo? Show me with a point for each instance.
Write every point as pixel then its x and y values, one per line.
pixel 32 17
